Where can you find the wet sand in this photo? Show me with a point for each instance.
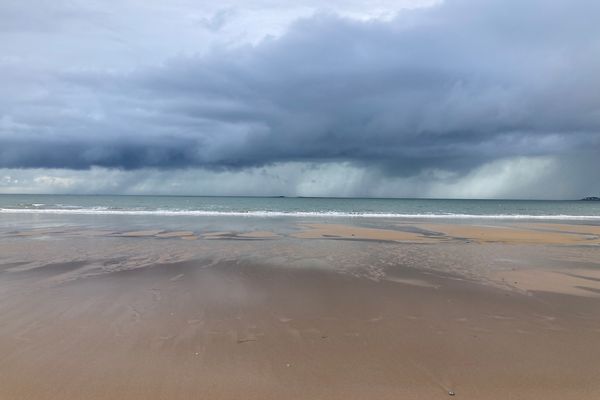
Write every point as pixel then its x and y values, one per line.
pixel 324 311
pixel 339 231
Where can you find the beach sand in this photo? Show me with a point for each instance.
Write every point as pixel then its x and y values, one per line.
pixel 324 311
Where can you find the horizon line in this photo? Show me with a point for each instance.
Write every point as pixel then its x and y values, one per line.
pixel 293 197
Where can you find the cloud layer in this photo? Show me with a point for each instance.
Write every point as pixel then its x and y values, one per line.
pixel 444 90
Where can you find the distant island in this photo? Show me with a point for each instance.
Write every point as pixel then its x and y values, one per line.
pixel 591 199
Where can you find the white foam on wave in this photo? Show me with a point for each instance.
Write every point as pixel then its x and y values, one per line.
pixel 315 214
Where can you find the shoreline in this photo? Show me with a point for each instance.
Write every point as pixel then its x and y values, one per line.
pixel 103 211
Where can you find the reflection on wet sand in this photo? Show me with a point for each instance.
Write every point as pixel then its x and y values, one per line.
pixel 322 311
pixel 523 233
pixel 339 231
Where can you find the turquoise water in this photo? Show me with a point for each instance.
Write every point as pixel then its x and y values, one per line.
pixel 297 207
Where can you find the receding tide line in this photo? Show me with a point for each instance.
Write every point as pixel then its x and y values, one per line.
pixel 315 214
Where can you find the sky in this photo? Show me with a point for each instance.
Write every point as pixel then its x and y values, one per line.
pixel 382 98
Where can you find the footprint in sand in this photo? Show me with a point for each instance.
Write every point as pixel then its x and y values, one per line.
pixel 136 315
pixel 156 295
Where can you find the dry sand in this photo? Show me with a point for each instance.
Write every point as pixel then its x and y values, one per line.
pixel 578 282
pixel 297 318
pixel 530 234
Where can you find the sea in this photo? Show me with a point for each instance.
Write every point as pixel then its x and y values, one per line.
pixel 298 207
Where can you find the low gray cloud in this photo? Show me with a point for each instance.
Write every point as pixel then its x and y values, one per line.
pixel 450 87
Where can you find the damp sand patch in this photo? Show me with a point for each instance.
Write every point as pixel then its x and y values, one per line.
pixel 252 235
pixel 502 234
pixel 339 231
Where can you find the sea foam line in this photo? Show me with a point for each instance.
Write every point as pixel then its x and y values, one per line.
pixel 316 214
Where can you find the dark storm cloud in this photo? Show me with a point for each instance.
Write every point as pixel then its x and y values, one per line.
pixel 449 87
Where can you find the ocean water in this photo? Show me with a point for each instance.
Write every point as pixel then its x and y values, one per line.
pixel 265 207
